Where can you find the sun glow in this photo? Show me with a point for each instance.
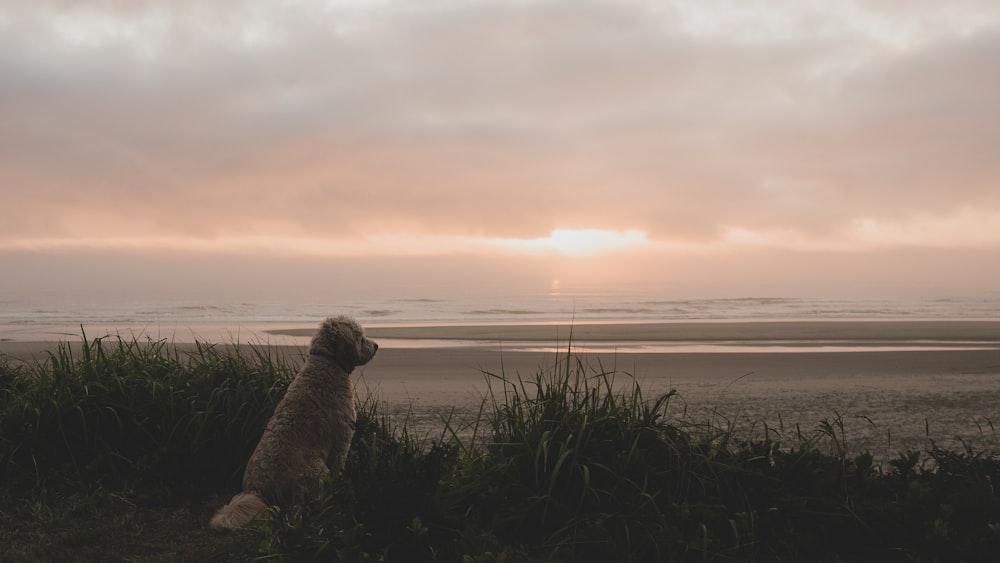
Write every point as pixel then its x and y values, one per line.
pixel 579 242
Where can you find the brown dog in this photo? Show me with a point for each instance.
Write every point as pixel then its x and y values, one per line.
pixel 310 432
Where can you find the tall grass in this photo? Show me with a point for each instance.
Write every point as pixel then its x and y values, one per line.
pixel 575 463
pixel 121 411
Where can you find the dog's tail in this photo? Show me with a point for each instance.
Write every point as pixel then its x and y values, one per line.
pixel 238 513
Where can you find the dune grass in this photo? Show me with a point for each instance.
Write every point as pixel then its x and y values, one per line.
pixel 114 411
pixel 124 446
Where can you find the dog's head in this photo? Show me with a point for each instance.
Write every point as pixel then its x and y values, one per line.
pixel 342 340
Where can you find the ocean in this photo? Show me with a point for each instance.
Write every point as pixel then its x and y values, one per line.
pixel 59 318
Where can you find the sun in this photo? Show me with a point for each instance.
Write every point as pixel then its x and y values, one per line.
pixel 580 242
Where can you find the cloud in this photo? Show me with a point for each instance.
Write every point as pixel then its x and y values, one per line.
pixel 689 121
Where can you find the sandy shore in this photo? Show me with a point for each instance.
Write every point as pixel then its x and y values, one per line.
pixel 890 396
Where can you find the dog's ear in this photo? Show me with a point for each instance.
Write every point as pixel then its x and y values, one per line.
pixel 354 334
pixel 351 338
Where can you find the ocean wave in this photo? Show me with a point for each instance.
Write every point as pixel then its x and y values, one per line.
pixel 381 312
pixel 67 312
pixel 619 311
pixel 518 312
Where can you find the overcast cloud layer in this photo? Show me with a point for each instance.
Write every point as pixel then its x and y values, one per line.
pixel 825 125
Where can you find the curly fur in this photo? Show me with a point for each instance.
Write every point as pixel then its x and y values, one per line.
pixel 310 431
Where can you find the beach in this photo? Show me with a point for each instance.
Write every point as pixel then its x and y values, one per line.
pixel 893 384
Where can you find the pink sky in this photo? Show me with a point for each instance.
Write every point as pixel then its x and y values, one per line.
pixel 713 147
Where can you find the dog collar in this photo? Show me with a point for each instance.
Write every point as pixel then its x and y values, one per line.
pixel 323 356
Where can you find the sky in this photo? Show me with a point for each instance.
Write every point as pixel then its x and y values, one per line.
pixel 686 148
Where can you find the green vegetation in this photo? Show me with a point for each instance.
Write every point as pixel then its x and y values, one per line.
pixel 121 450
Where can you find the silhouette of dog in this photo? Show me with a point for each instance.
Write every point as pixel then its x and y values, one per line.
pixel 310 431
